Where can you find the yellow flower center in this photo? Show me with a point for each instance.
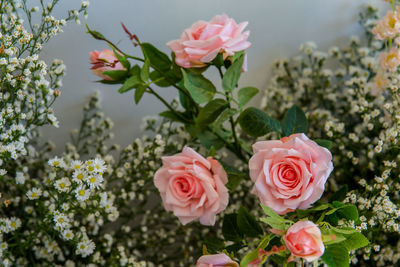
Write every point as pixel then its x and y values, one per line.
pixel 13 224
pixel 62 185
pixel 56 163
pixel 90 168
pixel 92 180
pixel 80 176
pixel 81 192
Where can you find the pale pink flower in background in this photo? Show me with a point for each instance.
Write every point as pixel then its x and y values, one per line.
pixel 380 82
pixel 388 27
pixel 289 173
pixel 203 41
pixel 390 60
pixel 192 187
pixel 104 61
pixel 304 240
pixel 221 260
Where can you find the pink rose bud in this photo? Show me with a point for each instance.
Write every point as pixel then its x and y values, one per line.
pixel 303 239
pixel 289 173
pixel 221 260
pixel 202 42
pixel 104 61
pixel 192 187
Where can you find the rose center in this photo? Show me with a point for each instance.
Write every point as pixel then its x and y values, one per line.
pixel 198 32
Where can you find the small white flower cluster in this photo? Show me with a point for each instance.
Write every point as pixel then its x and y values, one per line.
pixel 29 86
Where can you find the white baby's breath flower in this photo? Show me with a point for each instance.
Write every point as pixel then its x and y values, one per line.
pixel 82 193
pixel 34 193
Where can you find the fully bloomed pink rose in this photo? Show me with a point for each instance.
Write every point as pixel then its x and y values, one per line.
pixel 192 187
pixel 104 61
pixel 303 239
pixel 202 42
pixel 221 260
pixel 289 173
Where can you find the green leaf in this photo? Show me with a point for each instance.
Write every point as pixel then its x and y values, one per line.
pixel 247 224
pixel 340 194
pixel 256 123
pixel 344 230
pixel 336 256
pixel 249 258
pixel 185 101
pixel 158 79
pixel 122 59
pixel 132 81
pixel 211 111
pixel 230 229
pixel 232 75
pixel 294 121
pixel 355 241
pixel 268 211
pixel 201 89
pixel 349 212
pixel 157 58
pixel 116 75
pixel 274 223
pixel 234 247
pixel 214 244
pixel 144 73
pixel 218 61
pixel 208 139
pixel 264 242
pixel 173 116
pixel 245 94
pixel 324 143
pixel 139 92
pixel 225 115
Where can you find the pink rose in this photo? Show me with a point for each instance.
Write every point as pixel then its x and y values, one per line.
pixel 104 61
pixel 289 173
pixel 216 260
pixel 304 240
pixel 192 187
pixel 202 42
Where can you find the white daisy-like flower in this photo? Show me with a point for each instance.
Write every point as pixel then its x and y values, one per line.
pixel 13 223
pixel 85 248
pixel 94 181
pixel 79 176
pixel 89 165
pixel 76 165
pixel 63 185
pixel 34 193
pixel 56 162
pixel 20 178
pixel 68 234
pixel 81 193
pixel 99 165
pixel 61 220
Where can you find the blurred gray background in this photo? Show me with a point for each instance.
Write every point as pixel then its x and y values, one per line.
pixel 278 28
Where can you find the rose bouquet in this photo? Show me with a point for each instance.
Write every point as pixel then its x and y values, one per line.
pixel 310 177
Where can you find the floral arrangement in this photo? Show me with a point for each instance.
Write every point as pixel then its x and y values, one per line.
pixel 309 177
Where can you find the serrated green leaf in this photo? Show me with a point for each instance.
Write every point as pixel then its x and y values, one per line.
pixel 232 75
pixel 294 121
pixel 201 89
pixel 349 212
pixel 354 241
pixel 211 111
pixel 156 57
pixel 246 94
pixel 225 115
pixel 139 92
pixel 247 224
pixel 324 143
pixel 173 116
pixel 230 229
pixel 336 256
pixel 268 211
pixel 256 123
